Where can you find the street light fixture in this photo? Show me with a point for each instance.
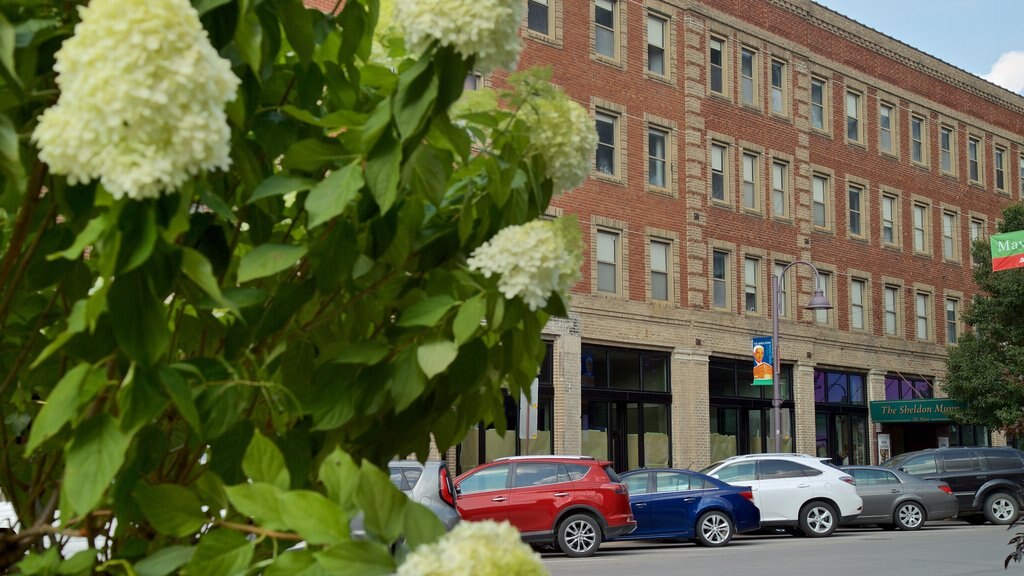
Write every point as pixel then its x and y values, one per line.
pixel 818 302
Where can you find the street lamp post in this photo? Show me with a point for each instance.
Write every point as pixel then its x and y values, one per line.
pixel 818 302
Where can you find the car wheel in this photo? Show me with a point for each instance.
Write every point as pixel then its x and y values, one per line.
pixel 714 529
pixel 1001 508
pixel 579 536
pixel 976 520
pixel 909 516
pixel 818 519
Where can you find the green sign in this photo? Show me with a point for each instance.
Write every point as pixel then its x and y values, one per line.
pixel 932 410
pixel 1007 250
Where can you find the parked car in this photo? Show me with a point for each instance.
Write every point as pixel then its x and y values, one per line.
pixel 573 502
pixel 988 482
pixel 429 484
pixel 794 491
pixel 671 503
pixel 895 499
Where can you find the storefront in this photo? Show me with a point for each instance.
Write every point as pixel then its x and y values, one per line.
pixel 741 413
pixel 908 425
pixel 841 417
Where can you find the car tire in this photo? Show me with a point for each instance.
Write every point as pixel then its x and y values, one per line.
pixel 579 536
pixel 975 520
pixel 887 526
pixel 909 516
pixel 818 519
pixel 714 529
pixel 1001 508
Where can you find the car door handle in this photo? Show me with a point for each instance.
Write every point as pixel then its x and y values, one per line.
pixel 499 499
pixel 896 490
pixel 560 494
pixel 688 499
pixel 803 485
pixel 641 505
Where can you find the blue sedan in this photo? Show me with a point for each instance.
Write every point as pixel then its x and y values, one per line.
pixel 670 503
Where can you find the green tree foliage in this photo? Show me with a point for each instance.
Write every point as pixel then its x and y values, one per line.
pixel 985 371
pixel 198 382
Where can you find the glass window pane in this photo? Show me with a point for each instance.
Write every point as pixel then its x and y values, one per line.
pixel 655 373
pixel 624 370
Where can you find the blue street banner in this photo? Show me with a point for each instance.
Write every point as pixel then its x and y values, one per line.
pixel 763 358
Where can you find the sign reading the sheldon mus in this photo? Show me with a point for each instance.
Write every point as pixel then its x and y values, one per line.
pixel 929 410
pixel 1007 250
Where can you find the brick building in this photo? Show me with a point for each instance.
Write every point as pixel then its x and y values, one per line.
pixel 736 138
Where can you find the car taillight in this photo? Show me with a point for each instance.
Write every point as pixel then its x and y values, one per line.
pixel 445 482
pixel 617 488
pixel 945 488
pixel 748 495
pixel 849 480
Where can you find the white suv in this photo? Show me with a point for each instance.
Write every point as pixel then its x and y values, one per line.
pixel 795 491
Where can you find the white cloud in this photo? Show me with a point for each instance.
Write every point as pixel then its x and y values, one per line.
pixel 1008 71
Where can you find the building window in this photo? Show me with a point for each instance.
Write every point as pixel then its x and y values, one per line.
pixel 886 112
pixel 778 87
pixel 818 103
pixel 750 195
pixel 751 281
pixel 780 268
pixel 821 202
pixel 657 157
pixel 748 78
pixel 853 127
pixel 537 16
pixel 974 159
pixel 608 262
pixel 921 226
pixel 718 172
pixel 856 205
pixel 719 279
pixel 892 310
pixel 899 388
pixel 922 311
pixel 780 195
pixel 917 149
pixel 660 252
pixel 657 29
pixel 741 413
pixel 952 320
pixel 824 283
pixel 473 81
pixel 604 28
pixel 607 134
pixel 946 149
pixel 716 53
pixel 999 162
pixel 858 288
pixel 977 233
pixel 949 236
pixel 839 388
pixel 890 220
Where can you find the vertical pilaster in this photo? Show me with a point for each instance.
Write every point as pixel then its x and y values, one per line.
pixel 690 415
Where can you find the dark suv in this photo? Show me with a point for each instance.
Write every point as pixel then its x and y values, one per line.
pixel 573 502
pixel 988 482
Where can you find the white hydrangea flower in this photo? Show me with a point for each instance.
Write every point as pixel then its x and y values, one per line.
pixel 564 134
pixel 534 260
pixel 484 548
pixel 142 99
pixel 487 29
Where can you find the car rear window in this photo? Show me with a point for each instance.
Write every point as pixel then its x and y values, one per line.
pixel 577 471
pixel 960 461
pixel 923 464
pixel 1002 460
pixel 611 473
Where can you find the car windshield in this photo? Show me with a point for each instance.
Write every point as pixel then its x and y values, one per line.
pixel 707 469
pixel 896 461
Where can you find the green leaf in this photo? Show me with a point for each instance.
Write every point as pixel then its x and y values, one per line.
pixel 356 559
pixel 333 194
pixel 88 236
pixel 279 185
pixel 297 27
pixel 427 312
pixel 435 357
pixel 199 270
pixel 340 476
pixel 249 39
pixel 7 44
pixel 468 318
pixel 407 381
pixel 61 405
pixel 264 462
pixel 420 525
pixel 177 389
pixel 258 500
pixel 8 133
pixel 80 563
pixel 76 324
pixel 417 91
pixel 382 503
pixel 94 455
pixel 165 561
pixel 140 399
pixel 217 204
pixel 383 168
pixel 138 227
pixel 170 508
pixel 296 563
pixel 221 553
pixel 204 6
pixel 362 353
pixel 138 318
pixel 313 517
pixel 268 259
pixel 310 155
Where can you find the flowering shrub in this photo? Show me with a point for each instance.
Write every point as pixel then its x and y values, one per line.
pixel 485 548
pixel 487 30
pixel 561 131
pixel 533 260
pixel 142 99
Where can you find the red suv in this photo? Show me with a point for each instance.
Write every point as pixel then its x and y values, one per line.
pixel 572 501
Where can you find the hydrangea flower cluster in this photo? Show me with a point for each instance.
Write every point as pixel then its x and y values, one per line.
pixel 534 260
pixel 484 548
pixel 564 134
pixel 487 29
pixel 142 99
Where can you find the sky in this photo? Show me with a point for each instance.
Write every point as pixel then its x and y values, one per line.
pixel 983 37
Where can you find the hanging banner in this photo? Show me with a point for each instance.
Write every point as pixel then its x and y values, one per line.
pixel 763 357
pixel 1007 250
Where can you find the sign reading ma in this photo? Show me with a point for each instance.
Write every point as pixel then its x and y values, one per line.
pixel 1007 250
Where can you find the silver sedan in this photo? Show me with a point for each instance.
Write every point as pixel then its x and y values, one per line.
pixel 894 499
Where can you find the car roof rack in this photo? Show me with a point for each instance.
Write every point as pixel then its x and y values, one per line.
pixel 772 454
pixel 543 457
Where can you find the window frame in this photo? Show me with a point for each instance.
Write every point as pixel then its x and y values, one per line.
pixel 823 106
pixel 895 219
pixel 860 213
pixel 999 180
pixel 666 41
pixel 892 309
pixel 667 272
pixel 722 67
pixel 975 172
pixel 547 17
pixel 615 263
pixel 952 324
pixel 947 153
pixel 950 235
pixel 925 316
pixel 752 287
pixel 750 181
pixel 665 160
pixel 723 280
pixel 784 191
pixel 861 304
pixel 826 201
pixel 858 119
pixel 781 89
pixel 924 227
pixel 981 226
pixel 882 130
pixel 613 118
pixel 752 79
pixel 722 174
pixel 614 31
pixel 921 140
